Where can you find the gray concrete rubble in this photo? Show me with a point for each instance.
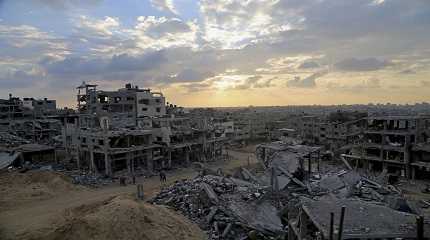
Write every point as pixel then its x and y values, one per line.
pixel 292 198
pixel 224 207
pixel 363 220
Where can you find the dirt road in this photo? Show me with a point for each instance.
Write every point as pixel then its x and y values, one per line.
pixel 44 215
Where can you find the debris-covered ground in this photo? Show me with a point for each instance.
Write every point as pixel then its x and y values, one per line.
pixel 247 206
pixel 29 214
pixel 226 208
pixel 241 204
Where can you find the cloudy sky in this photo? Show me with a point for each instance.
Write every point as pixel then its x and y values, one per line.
pixel 220 52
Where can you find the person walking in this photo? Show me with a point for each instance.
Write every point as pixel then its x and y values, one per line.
pixel 163 177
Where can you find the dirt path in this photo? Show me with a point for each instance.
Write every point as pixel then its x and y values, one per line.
pixel 47 214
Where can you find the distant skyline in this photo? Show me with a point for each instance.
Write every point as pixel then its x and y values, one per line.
pixel 208 53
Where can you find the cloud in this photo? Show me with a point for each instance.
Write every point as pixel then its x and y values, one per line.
pixel 265 84
pixel 66 4
pixel 165 5
pixel 236 23
pixel 125 62
pixel 159 33
pixel 160 27
pixel 372 83
pixel 101 28
pixel 266 38
pixel 248 83
pixel 190 75
pixel 309 64
pixel 23 38
pixel 197 87
pixel 361 65
pixel 425 83
pixel 408 71
pixel 20 79
pixel 118 63
pixel 308 82
pixel 363 85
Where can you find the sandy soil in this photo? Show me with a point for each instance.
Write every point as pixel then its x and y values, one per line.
pixel 123 218
pixel 31 216
pixel 20 188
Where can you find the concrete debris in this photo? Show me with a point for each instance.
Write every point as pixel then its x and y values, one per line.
pixel 223 208
pixel 246 175
pixel 331 183
pixel 347 184
pixel 277 202
pixel 262 217
pixel 89 180
pixel 210 193
pixel 362 220
pixel 231 208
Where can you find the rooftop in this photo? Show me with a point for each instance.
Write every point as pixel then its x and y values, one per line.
pixel 362 219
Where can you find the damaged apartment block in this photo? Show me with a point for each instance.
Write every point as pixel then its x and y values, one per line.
pixel 130 129
pixel 395 144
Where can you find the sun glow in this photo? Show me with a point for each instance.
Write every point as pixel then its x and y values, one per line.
pixel 226 82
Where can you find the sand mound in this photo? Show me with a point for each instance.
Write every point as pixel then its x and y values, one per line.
pixel 124 218
pixel 16 188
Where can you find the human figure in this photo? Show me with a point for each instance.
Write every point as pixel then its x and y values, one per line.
pixel 163 177
pixel 122 181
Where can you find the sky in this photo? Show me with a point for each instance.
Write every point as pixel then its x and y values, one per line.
pixel 208 53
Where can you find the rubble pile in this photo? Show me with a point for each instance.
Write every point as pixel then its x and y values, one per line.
pixel 90 180
pixel 348 184
pixel 226 208
pixel 246 206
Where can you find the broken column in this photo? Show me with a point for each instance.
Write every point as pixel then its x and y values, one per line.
pixel 169 158
pixel 150 160
pixel 108 167
pixel 92 163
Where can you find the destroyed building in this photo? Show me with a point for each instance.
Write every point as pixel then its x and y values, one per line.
pixel 334 130
pixel 398 144
pixel 28 120
pixel 11 109
pixel 128 129
pixel 126 107
pixel 40 107
pixel 15 108
pixel 395 144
